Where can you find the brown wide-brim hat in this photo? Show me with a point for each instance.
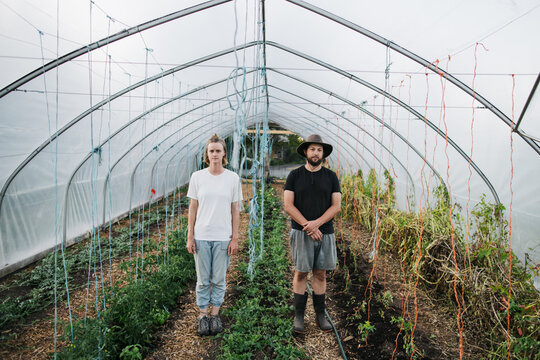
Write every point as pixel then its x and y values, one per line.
pixel 314 139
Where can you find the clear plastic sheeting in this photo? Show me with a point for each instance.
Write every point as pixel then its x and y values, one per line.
pixel 427 92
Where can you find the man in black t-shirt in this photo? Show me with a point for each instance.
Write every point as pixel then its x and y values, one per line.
pixel 312 198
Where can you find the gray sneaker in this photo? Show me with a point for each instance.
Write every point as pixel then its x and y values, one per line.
pixel 204 326
pixel 215 325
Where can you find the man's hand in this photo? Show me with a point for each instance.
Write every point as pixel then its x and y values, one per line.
pixel 191 247
pixel 233 247
pixel 316 235
pixel 310 226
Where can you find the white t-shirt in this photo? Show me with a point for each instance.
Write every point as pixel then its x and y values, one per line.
pixel 215 194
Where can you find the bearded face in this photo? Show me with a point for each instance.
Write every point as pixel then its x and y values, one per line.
pixel 314 154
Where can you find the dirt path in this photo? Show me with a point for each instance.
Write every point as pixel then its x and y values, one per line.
pixel 318 345
pixel 178 338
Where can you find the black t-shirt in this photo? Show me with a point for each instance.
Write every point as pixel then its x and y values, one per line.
pixel 313 194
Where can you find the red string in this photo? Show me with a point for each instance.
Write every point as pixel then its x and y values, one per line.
pixel 405 284
pixel 459 319
pixel 374 206
pixel 418 251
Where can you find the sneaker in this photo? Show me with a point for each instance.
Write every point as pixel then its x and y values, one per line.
pixel 215 325
pixel 204 326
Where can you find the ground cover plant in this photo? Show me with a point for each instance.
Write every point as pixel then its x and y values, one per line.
pixel 464 265
pixel 261 324
pixel 132 312
pixel 32 290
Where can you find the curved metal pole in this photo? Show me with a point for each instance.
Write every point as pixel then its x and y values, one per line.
pixel 397 101
pixel 300 127
pixel 226 134
pixel 329 134
pixel 370 114
pixel 106 182
pixel 118 131
pixel 170 147
pixel 150 152
pixel 419 60
pixel 357 153
pixel 105 41
pixel 155 108
pixel 159 127
pixel 342 130
pixel 221 53
pixel 66 193
pixel 109 99
pixel 531 95
pixel 354 124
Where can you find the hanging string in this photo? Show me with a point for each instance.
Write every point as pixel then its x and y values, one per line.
pixel 460 302
pixel 140 222
pixel 94 193
pixel 405 282
pixel 93 151
pixel 54 161
pixel 423 204
pixel 110 179
pixel 510 256
pixel 410 204
pixel 96 152
pixel 431 173
pixel 131 170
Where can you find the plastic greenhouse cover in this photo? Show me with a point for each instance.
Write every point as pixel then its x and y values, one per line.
pixel 131 115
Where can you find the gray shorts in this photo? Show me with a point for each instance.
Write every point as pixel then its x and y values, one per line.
pixel 309 254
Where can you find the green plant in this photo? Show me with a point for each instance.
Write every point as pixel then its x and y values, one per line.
pixel 386 299
pixel 131 352
pixel 133 311
pixel 358 311
pixel 408 344
pixel 455 261
pixel 365 329
pixel 260 318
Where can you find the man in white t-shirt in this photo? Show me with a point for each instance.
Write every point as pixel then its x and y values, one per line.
pixel 214 217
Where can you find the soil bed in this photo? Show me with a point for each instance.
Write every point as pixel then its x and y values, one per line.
pixel 384 305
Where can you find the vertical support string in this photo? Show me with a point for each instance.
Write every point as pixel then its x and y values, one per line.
pixel 510 257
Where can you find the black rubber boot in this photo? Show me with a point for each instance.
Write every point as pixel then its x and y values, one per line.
pixel 319 306
pixel 299 310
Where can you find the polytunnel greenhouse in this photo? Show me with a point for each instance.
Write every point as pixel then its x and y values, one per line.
pixel 433 112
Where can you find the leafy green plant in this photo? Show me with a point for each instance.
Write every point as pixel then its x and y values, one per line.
pixel 131 352
pixel 455 260
pixel 365 329
pixel 386 299
pixel 261 322
pixel 134 310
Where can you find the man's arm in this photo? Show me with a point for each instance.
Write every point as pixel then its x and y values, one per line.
pixel 288 205
pixel 192 217
pixel 235 211
pixel 329 214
